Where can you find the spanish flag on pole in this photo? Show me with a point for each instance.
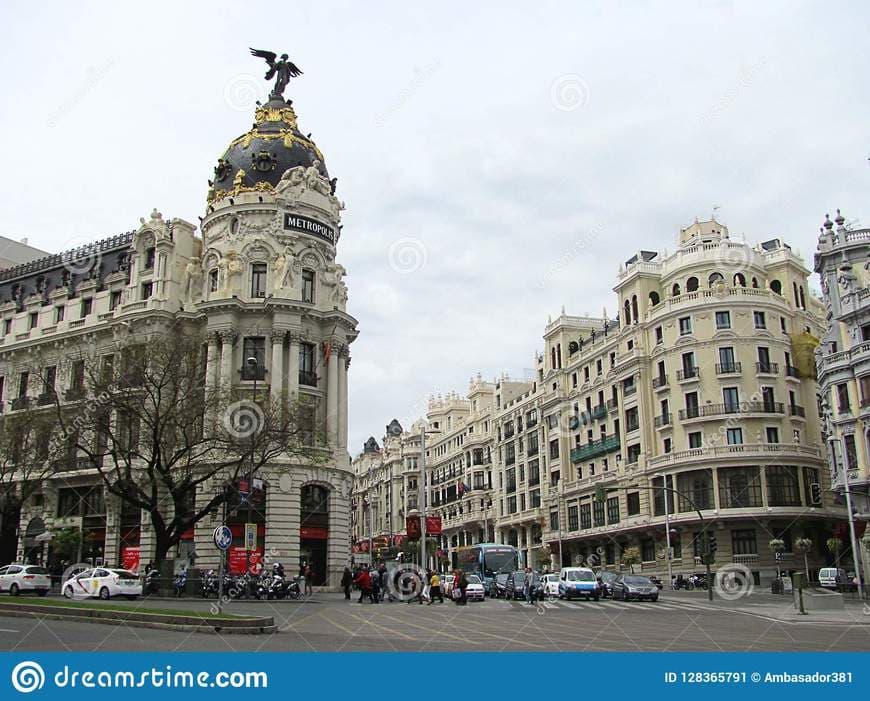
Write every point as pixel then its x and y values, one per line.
pixel 327 351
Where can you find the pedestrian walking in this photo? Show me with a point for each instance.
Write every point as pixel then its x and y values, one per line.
pixel 461 586
pixel 309 581
pixel 346 582
pixel 435 589
pixel 385 584
pixel 375 578
pixel 363 581
pixel 529 585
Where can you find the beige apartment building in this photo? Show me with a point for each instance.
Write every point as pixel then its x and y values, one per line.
pixel 704 385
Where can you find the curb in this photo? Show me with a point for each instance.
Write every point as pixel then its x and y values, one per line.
pixel 241 625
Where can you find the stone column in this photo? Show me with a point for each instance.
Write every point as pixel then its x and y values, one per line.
pixel 228 338
pixel 332 397
pixel 344 361
pixel 293 372
pixel 276 370
pixel 211 379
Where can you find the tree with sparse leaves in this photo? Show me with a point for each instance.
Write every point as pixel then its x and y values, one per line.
pixel 143 418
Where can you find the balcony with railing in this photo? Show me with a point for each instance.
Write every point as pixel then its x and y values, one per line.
pixel 711 410
pixel 308 378
pixel 612 404
pixel 660 382
pixel 591 450
pixel 740 451
pixel 728 368
pixel 628 390
pixel 792 371
pixel 767 368
pixel 797 410
pixel 664 420
pixel 688 374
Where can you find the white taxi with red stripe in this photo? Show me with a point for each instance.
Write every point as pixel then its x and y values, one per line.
pixel 104 583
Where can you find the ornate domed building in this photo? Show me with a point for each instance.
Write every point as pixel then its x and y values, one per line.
pixel 261 284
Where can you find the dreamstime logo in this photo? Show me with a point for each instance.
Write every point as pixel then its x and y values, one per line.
pixel 406 582
pixel 27 676
pixel 243 419
pixel 735 257
pixel 82 256
pixel 569 92
pixel 733 581
pixel 243 91
pixel 407 255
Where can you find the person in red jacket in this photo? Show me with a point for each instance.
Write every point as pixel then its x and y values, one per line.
pixel 364 582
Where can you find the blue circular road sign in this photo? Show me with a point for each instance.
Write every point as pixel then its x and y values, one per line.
pixel 223 537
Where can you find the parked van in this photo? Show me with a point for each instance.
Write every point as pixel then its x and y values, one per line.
pixel 575 582
pixel 828 578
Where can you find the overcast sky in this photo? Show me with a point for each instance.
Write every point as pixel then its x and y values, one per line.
pixel 498 161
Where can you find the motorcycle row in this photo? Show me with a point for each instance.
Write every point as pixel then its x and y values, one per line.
pixel 267 585
pixel 695 581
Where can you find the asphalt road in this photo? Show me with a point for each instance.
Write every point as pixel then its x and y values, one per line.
pixel 329 623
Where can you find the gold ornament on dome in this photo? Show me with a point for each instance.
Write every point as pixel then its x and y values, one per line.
pixel 276 114
pixel 217 195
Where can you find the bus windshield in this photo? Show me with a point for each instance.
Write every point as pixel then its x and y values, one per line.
pixel 497 560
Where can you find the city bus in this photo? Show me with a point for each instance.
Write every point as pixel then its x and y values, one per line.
pixel 486 560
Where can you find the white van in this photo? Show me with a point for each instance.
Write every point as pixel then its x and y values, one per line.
pixel 828 577
pixel 577 582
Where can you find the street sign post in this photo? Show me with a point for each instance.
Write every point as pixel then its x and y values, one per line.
pixel 223 538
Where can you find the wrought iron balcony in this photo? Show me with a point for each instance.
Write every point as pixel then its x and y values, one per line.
pixel 728 368
pixel 591 450
pixel 308 378
pixel 767 368
pixel 689 373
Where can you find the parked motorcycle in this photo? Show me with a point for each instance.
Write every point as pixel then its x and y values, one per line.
pixel 179 583
pixel 209 584
pixel 151 583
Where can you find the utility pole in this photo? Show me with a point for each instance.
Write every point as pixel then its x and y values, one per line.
pixel 423 498
pixel 254 364
pixel 668 535
pixel 848 492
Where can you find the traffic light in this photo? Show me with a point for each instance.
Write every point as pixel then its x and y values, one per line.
pixel 816 494
pixel 711 543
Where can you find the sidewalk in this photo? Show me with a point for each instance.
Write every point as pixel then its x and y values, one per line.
pixel 855 614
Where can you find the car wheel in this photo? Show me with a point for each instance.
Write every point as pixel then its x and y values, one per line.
pixel 13 589
pixel 104 594
pixel 68 593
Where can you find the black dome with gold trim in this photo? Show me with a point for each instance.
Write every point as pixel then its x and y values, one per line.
pixel 256 160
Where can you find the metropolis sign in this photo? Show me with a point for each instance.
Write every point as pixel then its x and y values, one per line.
pixel 309 226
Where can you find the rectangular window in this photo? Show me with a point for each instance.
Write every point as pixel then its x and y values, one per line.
pixel 554 449
pixel 77 376
pixel 59 313
pixel 739 487
pixel 33 320
pixel 685 325
pixel 843 399
pixel 613 510
pixel 147 290
pixel 743 541
pixel 726 359
pixel 734 436
pixel 632 420
pixel 731 399
pixel 149 258
pixel 759 320
pixel 512 505
pixel 87 306
pixel 23 381
pixel 633 503
pixel 114 300
pixel 213 280
pixel 258 280
pixel 723 320
pixel 254 358
pixel 598 513
pixel 695 440
pixel 7 327
pixel 573 519
pixel 554 520
pixel 772 434
pixel 308 286
pixel 535 498
pixel 782 485
pixel 660 337
pixel 585 516
pixel 695 490
pixel 851 455
pixel 307 376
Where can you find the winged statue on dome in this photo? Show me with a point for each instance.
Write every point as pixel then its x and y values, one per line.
pixel 281 69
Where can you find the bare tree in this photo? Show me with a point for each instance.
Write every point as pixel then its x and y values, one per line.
pixel 145 421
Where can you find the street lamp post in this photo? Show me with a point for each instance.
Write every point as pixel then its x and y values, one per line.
pixel 423 498
pixel 668 535
pixel 254 364
pixel 848 493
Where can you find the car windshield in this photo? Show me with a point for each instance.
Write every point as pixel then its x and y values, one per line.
pixel 502 578
pixel 37 570
pixel 607 576
pixel 473 579
pixel 636 580
pixel 581 576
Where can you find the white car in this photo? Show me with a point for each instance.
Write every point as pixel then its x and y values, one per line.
pixel 20 578
pixel 102 582
pixel 475 590
pixel 550 582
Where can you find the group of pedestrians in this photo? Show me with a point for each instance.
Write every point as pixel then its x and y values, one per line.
pixel 373 584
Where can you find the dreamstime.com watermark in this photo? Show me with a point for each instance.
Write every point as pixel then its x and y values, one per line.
pixel 29 676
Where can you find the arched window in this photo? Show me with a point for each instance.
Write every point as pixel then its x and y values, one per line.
pixel 803 299
pixel 675 290
pixel 692 284
pixel 627 309
pixel 714 278
pixel 755 283
pixel 634 314
pixel 654 298
pixel 776 286
pixel 740 280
